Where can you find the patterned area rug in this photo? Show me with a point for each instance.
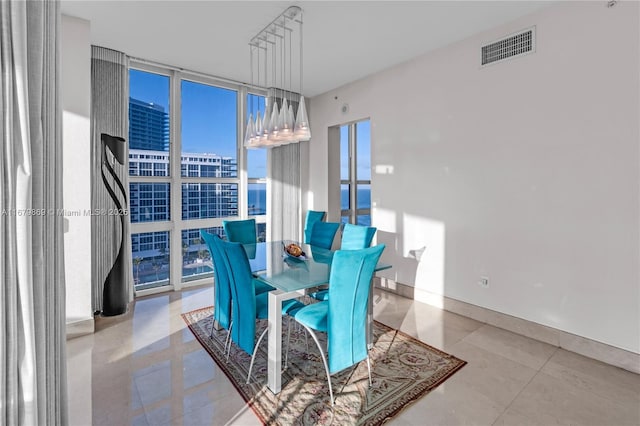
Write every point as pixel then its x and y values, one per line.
pixel 403 370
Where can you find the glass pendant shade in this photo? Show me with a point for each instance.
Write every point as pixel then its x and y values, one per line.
pixel 301 130
pixel 291 121
pixel 258 129
pixel 286 129
pixel 282 118
pixel 277 136
pixel 263 137
pixel 275 128
pixel 250 133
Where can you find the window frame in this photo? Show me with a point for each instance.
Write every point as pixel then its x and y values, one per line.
pixel 353 182
pixel 176 224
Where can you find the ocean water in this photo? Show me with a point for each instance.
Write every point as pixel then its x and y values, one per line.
pixel 257 200
pixel 364 198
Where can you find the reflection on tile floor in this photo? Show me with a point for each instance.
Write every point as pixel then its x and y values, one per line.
pixel 145 368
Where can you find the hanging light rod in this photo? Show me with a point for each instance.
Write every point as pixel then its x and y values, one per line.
pixel 290 14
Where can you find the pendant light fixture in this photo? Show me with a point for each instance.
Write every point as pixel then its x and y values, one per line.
pixel 277 124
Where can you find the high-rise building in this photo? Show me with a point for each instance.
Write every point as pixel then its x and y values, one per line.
pixel 149 201
pixel 148 126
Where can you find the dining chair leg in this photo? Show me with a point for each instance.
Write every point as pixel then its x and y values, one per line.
pixel 306 341
pixel 324 360
pixel 255 351
pixel 227 342
pixel 369 370
pixel 286 353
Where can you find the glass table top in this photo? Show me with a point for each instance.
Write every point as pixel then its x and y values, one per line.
pixel 271 264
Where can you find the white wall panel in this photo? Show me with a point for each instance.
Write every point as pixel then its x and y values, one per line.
pixel 525 171
pixel 76 95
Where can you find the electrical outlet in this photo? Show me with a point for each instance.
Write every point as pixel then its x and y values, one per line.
pixel 484 282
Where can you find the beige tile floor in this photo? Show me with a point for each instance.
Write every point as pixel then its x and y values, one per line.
pixel 145 368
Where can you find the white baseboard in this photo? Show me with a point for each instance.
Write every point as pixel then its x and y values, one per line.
pixel 590 348
pixel 80 328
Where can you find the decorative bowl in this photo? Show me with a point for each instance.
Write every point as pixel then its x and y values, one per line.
pixel 294 251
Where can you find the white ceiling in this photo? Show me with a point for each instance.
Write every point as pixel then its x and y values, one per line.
pixel 343 41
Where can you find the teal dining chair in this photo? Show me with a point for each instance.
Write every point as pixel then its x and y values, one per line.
pixel 323 233
pixel 240 231
pixel 344 316
pixel 221 284
pixel 247 306
pixel 244 232
pixel 311 219
pixel 354 237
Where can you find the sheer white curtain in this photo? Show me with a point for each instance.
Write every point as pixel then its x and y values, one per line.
pixel 284 192
pixel 32 293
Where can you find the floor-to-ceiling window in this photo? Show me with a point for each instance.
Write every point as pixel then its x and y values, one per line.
pixel 208 168
pixel 355 173
pixel 188 171
pixel 150 177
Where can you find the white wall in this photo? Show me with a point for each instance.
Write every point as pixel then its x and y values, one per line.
pixel 525 171
pixel 76 89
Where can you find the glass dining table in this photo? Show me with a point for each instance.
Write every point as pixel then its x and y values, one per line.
pixel 291 277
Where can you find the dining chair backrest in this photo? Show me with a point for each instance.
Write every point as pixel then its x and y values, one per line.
pixel 356 237
pixel 240 231
pixel 221 284
pixel 312 217
pixel 323 234
pixel 349 288
pixel 243 295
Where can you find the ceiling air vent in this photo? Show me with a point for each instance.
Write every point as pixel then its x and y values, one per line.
pixel 517 44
